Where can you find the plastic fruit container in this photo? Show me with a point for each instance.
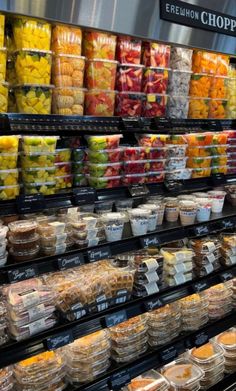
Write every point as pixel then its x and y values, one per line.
pixel 204 62
pixel 33 66
pixel 38 159
pixel 97 142
pixel 99 45
pixel 155 80
pixel 218 89
pixel 78 168
pixel 79 180
pixel 31 33
pixel 2 25
pixel 198 107
pixel 68 101
pixel 134 153
pixel 217 108
pixel 104 170
pixel 100 103
pixel 155 177
pixel 104 182
pixel 201 172
pixel 199 139
pixel 66 40
pixel 9 192
pixel 46 188
pixel 200 85
pixel 129 77
pixel 63 155
pixel 128 50
pixel 100 74
pixel 105 155
pixel 35 175
pixel 129 104
pixel 3 63
pixel 135 167
pixel 134 179
pixel 178 106
pixel 68 70
pixel 79 154
pixel 3 97
pixel 181 58
pixel 179 82
pixel 199 162
pixel 219 160
pixel 37 144
pixel 9 144
pixel 33 98
pixel 63 182
pixel 63 168
pixel 8 160
pixel 155 153
pixel 156 54
pixel 222 67
pixel 155 105
pixel 219 169
pixel 9 177
pixel 152 140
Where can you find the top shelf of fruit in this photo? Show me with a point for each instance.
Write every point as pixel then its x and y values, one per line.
pixel 115 75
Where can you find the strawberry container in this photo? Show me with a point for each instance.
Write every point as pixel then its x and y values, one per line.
pixel 129 104
pixel 104 170
pixel 129 77
pixel 133 179
pixel 155 105
pixel 155 80
pixel 128 50
pixel 134 153
pixel 156 54
pixel 104 182
pixel 135 167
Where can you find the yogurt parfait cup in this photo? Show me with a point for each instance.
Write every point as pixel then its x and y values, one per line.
pixel 187 212
pixel 217 198
pixel 203 209
pixel 113 225
pixel 152 219
pixel 172 209
pixel 139 220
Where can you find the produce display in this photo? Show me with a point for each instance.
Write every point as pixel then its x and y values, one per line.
pixel 129 77
pixel 200 84
pixel 68 100
pixel 128 50
pixel 99 45
pixel 198 107
pixel 66 40
pixel 68 70
pixel 155 80
pixel 33 98
pixel 156 54
pixel 100 74
pixel 100 103
pixel 155 105
pixel 31 33
pixel 129 104
pixel 33 66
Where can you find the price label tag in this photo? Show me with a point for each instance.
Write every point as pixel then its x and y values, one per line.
pixel 138 190
pixel 30 203
pixel 149 241
pixel 168 354
pixel 116 318
pixel 163 123
pixel 226 276
pixel 22 273
pixel 69 261
pixel 153 304
pixel 215 125
pixel 200 338
pixel 227 224
pixel 84 195
pixel 200 286
pixel 120 379
pixel 59 340
pixel 100 253
pixel 131 123
pixel 218 179
pixel 201 230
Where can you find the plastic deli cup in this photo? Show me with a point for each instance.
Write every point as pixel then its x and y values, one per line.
pixel 172 210
pixel 203 209
pixel 217 198
pixel 113 224
pixel 139 219
pixel 152 219
pixel 187 212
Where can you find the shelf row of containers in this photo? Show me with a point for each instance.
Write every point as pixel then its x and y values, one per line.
pixel 116 75
pixel 42 164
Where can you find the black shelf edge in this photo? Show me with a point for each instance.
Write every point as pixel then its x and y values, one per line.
pixel 167 232
pixel 68 331
pixel 155 358
pixel 228 383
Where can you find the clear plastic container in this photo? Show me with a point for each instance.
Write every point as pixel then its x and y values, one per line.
pixel 33 98
pixel 207 356
pixel 33 66
pixel 98 142
pixel 68 70
pixel 4 97
pixel 53 240
pixel 63 182
pixel 183 375
pixel 198 108
pixel 217 108
pixel 179 82
pixel 133 179
pixel 46 188
pixel 68 100
pixel 218 87
pixel 151 380
pixel 201 172
pixel 58 227
pixel 200 85
pixel 129 104
pixel 23 244
pixel 113 225
pixel 139 220
pixel 9 177
pixel 105 155
pixel 128 50
pixel 155 54
pixel 155 105
pixel 217 198
pixel 100 74
pixel 129 77
pixel 2 25
pixel 37 159
pixel 34 175
pixel 54 250
pixel 152 140
pixel 66 40
pixel 97 44
pixel 104 170
pixel 63 155
pixel 181 58
pixel 3 63
pixel 203 209
pixel 178 174
pixel 37 144
pixel 155 80
pixel 31 33
pixel 176 151
pixel 176 163
pixel 104 182
pixel 178 106
pixel 172 210
pixel 204 62
pixel 9 192
pixel 135 167
pixel 63 169
pixel 104 207
pixel 100 103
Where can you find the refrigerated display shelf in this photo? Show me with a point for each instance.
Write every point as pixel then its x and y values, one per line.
pixel 119 375
pixel 66 332
pixel 165 233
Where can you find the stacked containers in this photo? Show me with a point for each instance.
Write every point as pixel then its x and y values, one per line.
pixel 156 59
pixel 38 164
pixel 176 159
pixel 210 358
pixel 3 245
pixel 79 167
pixel 194 313
pixel 6 379
pixel 231 150
pixel 88 357
pixel 33 60
pixel 52 238
pixel 183 375
pixel 179 78
pixel 100 73
pixel 3 326
pixel 228 249
pixel 67 71
pixel 129 77
pixel 63 176
pixel 9 187
pixel 231 94
pixel 3 64
pixel 178 265
pixel 227 340
pixel 207 255
pixel 104 161
pixel 23 240
pixel 220 301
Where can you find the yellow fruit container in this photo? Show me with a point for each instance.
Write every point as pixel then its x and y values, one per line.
pixel 33 98
pixel 39 144
pixel 222 64
pixel 9 177
pixel 64 182
pixel 12 108
pixel 36 175
pixel 218 88
pixel 99 45
pixel 68 71
pixel 201 172
pixel 46 188
pixel 68 101
pixel 66 40
pixel 9 192
pixel 3 64
pixel 204 62
pixel 3 97
pixel 11 73
pixel 231 96
pixel 199 162
pixel 200 84
pixel 33 66
pixel 38 159
pixel 9 144
pixel 198 107
pixel 2 26
pixel 217 108
pixel 8 161
pixel 31 33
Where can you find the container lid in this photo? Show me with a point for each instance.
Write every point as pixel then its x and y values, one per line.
pixel 206 353
pixel 9 187
pixel 59 164
pixel 104 164
pixel 139 212
pixel 136 161
pixel 135 175
pixel 199 98
pixel 22 225
pixel 71 88
pixel 32 239
pixel 33 51
pixel 69 55
pixel 35 154
pixel 130 65
pixel 182 373
pixel 96 90
pixel 180 71
pixel 202 74
pixel 33 169
pixel 34 86
pixel 131 93
pixel 227 339
pixel 161 68
pixel 105 178
pixel 102 60
pixel 36 184
pixel 109 150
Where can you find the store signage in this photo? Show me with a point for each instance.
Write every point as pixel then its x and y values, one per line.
pixel 30 203
pixel 149 241
pixel 194 16
pixel 138 190
pixel 100 253
pixel 226 276
pixel 116 318
pixel 70 261
pixel 200 338
pixel 227 224
pixel 85 195
pixel 59 340
pixel 201 230
pixel 22 273
pixel 153 304
pixel 168 354
pixel 200 286
pixel 120 379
